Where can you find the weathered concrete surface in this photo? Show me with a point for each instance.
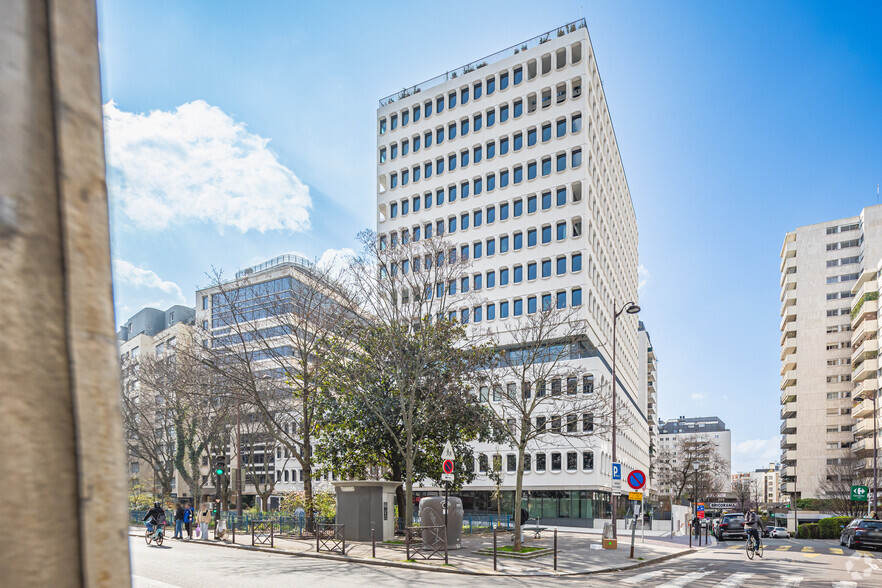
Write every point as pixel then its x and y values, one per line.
pixel 63 465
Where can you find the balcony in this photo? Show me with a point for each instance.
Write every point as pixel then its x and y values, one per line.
pixel 869 367
pixel 867 346
pixel 862 409
pixel 866 282
pixel 788 396
pixel 789 334
pixel 788 441
pixel 788 456
pixel 787 287
pixel 863 427
pixel 789 363
pixel 788 426
pixel 789 379
pixel 789 317
pixel 788 410
pixel 789 300
pixel 789 471
pixel 868 325
pixel 788 346
pixel 864 311
pixel 861 389
pixel 788 487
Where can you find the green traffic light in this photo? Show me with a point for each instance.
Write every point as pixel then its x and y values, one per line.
pixel 219 471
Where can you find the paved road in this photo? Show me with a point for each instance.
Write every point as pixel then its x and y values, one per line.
pixel 788 563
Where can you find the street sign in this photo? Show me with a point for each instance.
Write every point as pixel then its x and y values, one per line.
pixel 635 495
pixel 447 458
pixel 617 471
pixel 699 510
pixel 722 505
pixel 636 479
pixel 859 493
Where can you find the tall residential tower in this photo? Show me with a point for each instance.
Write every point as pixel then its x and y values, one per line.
pixel 820 268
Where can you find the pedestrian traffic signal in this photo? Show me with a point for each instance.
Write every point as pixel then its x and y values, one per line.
pixel 220 465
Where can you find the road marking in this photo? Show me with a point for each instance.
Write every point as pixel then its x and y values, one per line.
pixel 735 547
pixel 810 555
pixel 734 580
pixel 844 584
pixel 784 548
pixel 646 576
pixel 864 553
pixel 683 580
pixel 836 551
pixel 808 549
pixel 790 581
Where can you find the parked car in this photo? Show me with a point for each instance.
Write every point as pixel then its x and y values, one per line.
pixel 779 533
pixel 862 533
pixel 731 525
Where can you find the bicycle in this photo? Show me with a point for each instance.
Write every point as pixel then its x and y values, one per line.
pixel 157 534
pixel 752 548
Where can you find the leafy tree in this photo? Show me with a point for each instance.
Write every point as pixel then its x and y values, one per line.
pixel 408 363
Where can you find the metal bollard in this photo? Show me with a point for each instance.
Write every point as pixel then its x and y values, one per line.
pixel 494 549
pixel 407 542
pixel 343 537
pixel 445 546
pixel 316 539
pixel 555 549
pixel 234 531
pixel 373 545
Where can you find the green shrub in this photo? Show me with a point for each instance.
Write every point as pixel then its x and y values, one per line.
pixel 832 527
pixel 809 531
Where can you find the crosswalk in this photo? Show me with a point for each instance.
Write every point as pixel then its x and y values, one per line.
pixel 736 580
pixel 809 551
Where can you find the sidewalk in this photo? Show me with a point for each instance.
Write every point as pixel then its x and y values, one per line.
pixel 575 555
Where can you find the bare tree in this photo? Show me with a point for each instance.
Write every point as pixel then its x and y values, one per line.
pixel 148 428
pixel 536 392
pixel 271 355
pixel 835 486
pixel 194 412
pixel 411 346
pixel 743 488
pixel 693 468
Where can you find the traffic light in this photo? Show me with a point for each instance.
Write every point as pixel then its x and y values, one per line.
pixel 220 465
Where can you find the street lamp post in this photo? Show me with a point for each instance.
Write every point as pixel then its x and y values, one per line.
pixel 630 308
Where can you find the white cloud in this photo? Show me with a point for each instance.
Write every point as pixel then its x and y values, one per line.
pixel 755 453
pixel 642 279
pixel 197 163
pixel 335 260
pixel 697 397
pixel 136 287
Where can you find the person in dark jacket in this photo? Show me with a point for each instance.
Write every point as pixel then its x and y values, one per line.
pixel 155 517
pixel 179 522
pixel 188 520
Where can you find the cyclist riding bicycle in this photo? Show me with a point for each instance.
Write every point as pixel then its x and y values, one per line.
pixel 155 517
pixel 751 522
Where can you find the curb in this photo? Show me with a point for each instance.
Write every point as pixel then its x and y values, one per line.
pixel 432 568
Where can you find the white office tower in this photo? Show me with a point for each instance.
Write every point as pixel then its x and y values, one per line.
pixel 514 159
pixel 824 267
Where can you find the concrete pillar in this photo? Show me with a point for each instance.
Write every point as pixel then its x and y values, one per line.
pixel 62 463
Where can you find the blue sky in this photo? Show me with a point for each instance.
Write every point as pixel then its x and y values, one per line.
pixel 737 121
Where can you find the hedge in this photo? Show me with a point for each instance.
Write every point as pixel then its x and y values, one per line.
pixel 809 531
pixel 831 528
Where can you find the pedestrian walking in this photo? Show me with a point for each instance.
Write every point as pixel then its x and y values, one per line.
pixel 203 518
pixel 179 522
pixel 188 520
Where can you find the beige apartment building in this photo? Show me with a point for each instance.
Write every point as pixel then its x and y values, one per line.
pixel 865 362
pixel 822 276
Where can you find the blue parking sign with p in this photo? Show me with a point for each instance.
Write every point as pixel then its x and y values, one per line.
pixel 616 471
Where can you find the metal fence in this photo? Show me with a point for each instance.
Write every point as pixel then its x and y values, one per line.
pixel 330 537
pixel 262 532
pixel 426 542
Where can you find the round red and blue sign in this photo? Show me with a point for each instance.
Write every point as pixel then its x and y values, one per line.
pixel 636 479
pixel 447 466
